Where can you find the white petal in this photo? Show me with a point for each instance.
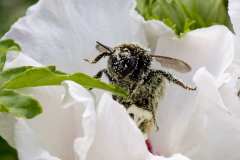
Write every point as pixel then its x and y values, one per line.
pixel 175 110
pixel 234 12
pixel 229 93
pixel 56 126
pixel 86 121
pixel 230 88
pixel 7 128
pixel 202 128
pixel 21 60
pixel 211 47
pixel 27 144
pixel 237 49
pixel 65 32
pixel 116 136
pixel 154 30
pixel 174 157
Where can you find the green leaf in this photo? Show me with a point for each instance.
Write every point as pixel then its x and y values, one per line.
pixel 186 15
pixel 10 73
pixel 19 105
pixel 6 151
pixel 6 46
pixel 44 76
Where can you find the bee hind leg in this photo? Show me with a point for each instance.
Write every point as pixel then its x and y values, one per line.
pixel 171 78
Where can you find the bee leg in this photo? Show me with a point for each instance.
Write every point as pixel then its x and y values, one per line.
pixel 171 78
pixel 100 56
pixel 100 73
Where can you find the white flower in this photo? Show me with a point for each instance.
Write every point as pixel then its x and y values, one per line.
pixel 199 124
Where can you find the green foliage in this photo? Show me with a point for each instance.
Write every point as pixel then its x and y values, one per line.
pixel 6 151
pixel 10 11
pixel 10 101
pixel 28 76
pixel 18 105
pixel 186 15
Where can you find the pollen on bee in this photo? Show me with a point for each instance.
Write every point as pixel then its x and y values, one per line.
pixel 139 114
pixel 143 119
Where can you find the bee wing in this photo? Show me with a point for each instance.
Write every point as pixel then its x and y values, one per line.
pixel 173 63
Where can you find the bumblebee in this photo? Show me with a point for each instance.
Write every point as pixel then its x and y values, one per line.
pixel 129 66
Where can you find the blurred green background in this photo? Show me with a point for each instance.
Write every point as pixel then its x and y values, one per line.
pixel 10 11
pixel 181 15
pixel 7 152
pixel 186 15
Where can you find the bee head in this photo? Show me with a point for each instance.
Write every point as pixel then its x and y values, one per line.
pixel 129 60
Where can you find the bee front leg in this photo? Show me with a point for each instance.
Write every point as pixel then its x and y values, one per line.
pixel 100 73
pixel 171 78
pixel 100 56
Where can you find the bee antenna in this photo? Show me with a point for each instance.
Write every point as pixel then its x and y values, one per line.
pixel 105 47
